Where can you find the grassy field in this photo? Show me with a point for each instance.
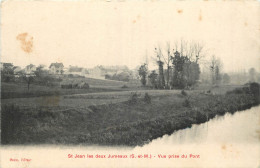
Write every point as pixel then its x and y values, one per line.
pixel 14 90
pixel 113 117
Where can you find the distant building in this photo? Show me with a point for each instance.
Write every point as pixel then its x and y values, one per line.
pixel 75 70
pixel 56 68
pixel 30 69
pixel 96 72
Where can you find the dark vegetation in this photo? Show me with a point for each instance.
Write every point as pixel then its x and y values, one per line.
pixel 133 122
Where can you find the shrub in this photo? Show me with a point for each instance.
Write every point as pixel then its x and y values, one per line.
pixel 186 103
pixel 147 98
pixel 133 98
pixel 184 93
pixel 255 91
pixel 124 86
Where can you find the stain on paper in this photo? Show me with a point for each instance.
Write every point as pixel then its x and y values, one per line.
pixel 180 11
pixel 26 42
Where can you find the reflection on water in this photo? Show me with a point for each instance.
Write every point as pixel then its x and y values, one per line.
pixel 225 141
pixel 241 127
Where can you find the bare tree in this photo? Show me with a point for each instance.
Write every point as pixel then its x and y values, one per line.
pixel 168 63
pixel 215 69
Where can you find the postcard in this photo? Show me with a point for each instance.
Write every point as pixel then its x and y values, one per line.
pixel 147 83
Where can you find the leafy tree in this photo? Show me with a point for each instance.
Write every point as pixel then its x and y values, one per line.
pixel 153 77
pixel 39 71
pixel 161 81
pixel 7 73
pixel 178 62
pixel 142 73
pixel 191 72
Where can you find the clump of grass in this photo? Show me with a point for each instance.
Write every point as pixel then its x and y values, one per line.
pixel 147 98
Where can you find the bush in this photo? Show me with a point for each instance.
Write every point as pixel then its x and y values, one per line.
pixel 124 86
pixel 184 93
pixel 186 103
pixel 255 90
pixel 147 98
pixel 133 98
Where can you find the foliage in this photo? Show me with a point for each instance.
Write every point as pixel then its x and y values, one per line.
pixel 191 72
pixel 184 93
pixel 147 98
pixel 153 77
pixel 143 70
pixel 186 103
pixel 161 80
pixel 255 90
pixel 7 73
pixel 116 124
pixel 133 98
pixel 124 86
pixel 186 72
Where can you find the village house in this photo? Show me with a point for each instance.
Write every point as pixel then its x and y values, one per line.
pixel 30 69
pixel 56 68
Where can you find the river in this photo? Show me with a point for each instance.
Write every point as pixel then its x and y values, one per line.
pixel 225 141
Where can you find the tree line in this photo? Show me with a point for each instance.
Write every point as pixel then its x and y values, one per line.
pixel 182 66
pixel 179 67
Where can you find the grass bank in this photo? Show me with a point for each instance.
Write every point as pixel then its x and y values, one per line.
pixel 133 122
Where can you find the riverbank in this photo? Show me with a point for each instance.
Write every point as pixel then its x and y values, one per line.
pixel 134 122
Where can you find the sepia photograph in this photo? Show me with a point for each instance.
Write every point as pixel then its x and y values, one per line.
pixel 124 83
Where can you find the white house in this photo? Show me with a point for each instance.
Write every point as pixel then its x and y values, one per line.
pixel 56 68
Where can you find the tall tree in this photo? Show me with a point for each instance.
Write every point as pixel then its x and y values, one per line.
pixel 161 80
pixel 7 73
pixel 153 78
pixel 178 64
pixel 215 69
pixel 143 73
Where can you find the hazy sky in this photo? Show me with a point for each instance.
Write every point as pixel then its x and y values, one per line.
pixel 110 33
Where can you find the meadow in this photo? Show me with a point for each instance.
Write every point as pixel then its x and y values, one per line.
pixel 118 117
pixel 20 90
